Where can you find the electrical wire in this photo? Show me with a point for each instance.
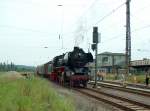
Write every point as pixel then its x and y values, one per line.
pixel 26 29
pixel 102 18
pixel 110 13
pixel 141 28
pixel 38 31
pixel 107 15
pixel 133 31
pixel 93 3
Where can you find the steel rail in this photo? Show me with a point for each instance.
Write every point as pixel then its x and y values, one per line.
pixel 128 84
pixel 126 89
pixel 119 102
pixel 122 98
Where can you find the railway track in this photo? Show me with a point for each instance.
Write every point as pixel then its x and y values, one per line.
pixel 120 102
pixel 129 84
pixel 129 89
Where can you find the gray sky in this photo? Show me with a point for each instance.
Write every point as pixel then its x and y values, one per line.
pixel 27 26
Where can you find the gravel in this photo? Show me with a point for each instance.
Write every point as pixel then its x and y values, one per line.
pixel 82 102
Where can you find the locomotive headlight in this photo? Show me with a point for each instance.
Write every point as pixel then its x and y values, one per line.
pixel 72 73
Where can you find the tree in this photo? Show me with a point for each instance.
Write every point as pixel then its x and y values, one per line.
pixel 1 66
pixel 4 66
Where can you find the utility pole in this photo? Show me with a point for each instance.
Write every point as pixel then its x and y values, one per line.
pixel 128 38
pixel 94 47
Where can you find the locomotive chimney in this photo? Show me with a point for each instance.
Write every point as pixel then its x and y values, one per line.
pixel 76 48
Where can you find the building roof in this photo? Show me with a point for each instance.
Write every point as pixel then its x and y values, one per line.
pixel 110 53
pixel 144 59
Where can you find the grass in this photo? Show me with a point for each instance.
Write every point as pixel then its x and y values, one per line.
pixel 131 78
pixel 110 77
pixel 136 79
pixel 33 94
pixel 2 73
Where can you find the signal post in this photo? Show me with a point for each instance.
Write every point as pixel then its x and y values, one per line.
pixel 94 47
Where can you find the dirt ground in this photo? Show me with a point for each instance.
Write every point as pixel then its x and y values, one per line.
pixel 82 102
pixel 12 75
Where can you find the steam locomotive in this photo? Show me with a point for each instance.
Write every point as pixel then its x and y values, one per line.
pixel 69 68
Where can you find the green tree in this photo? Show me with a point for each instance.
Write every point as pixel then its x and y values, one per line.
pixel 4 66
pixel 1 65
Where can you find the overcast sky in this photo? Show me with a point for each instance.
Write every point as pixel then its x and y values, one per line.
pixel 27 26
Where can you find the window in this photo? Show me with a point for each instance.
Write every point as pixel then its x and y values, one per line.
pixel 105 59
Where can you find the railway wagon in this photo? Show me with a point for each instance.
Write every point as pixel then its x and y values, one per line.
pixel 69 68
pixel 44 70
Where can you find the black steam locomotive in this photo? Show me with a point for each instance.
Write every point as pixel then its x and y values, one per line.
pixel 70 67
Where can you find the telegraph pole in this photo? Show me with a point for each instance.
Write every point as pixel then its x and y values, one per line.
pixel 128 38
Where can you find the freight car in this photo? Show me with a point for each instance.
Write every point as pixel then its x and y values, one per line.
pixel 69 68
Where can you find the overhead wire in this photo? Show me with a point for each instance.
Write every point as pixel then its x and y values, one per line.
pixel 107 15
pixel 117 36
pixel 93 3
pixel 140 28
pixel 138 11
pixel 110 13
pixel 26 29
pixel 91 6
pixel 102 18
pixel 133 31
pixel 32 30
pixel 142 8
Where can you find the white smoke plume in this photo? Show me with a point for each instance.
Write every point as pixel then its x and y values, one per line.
pixel 80 33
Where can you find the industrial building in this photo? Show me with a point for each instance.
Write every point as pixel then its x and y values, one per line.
pixel 108 62
pixel 114 62
pixel 111 61
pixel 141 66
